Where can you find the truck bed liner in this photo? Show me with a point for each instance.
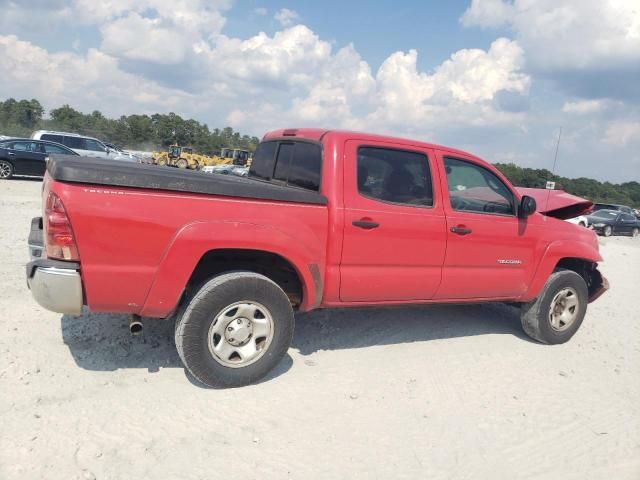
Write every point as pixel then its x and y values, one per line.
pixel 97 171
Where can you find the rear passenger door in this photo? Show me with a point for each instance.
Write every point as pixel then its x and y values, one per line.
pixel 394 224
pixel 27 158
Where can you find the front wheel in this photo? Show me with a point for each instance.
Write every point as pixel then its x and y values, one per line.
pixel 634 232
pixel 555 316
pixel 234 330
pixel 182 163
pixel 6 170
pixel 607 231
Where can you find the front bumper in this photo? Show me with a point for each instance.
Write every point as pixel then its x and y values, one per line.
pixel 54 284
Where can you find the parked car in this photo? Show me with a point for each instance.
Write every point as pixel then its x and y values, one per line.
pixel 614 222
pixel 325 219
pixel 612 206
pixel 27 157
pixel 83 145
pixel 581 220
pixel 121 151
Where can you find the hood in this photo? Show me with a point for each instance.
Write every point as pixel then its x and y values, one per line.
pixel 557 203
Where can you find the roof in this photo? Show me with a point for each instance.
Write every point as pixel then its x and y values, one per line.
pixel 66 134
pixel 318 133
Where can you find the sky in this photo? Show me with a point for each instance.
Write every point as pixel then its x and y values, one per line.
pixel 498 78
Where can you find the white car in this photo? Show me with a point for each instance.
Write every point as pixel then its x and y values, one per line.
pixel 82 145
pixel 581 220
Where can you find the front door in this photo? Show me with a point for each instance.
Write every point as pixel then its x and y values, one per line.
pixel 394 227
pixel 489 249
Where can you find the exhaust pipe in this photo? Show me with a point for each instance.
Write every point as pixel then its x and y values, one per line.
pixel 135 324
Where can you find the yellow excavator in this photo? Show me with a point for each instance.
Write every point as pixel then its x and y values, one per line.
pixel 183 157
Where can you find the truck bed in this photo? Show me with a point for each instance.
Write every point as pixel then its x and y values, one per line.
pixel 97 171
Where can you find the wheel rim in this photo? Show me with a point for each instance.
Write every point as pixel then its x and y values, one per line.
pixel 607 231
pixel 564 309
pixel 5 170
pixel 634 232
pixel 240 334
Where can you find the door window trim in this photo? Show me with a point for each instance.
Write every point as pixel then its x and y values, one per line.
pixel 397 149
pixel 514 206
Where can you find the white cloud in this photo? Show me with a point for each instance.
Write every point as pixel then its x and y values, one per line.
pixel 92 81
pixel 621 133
pixel 568 34
pixel 585 106
pixel 286 17
pixel 591 46
pixel 262 11
pixel 487 13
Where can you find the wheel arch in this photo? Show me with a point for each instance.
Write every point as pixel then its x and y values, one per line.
pixel 579 257
pixel 203 249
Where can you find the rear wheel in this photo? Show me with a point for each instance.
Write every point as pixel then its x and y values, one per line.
pixel 235 330
pixel 607 231
pixel 6 170
pixel 634 232
pixel 555 316
pixel 182 163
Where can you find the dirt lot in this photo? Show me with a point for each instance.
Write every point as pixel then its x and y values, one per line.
pixel 429 392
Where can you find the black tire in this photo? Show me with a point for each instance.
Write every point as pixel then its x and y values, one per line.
pixel 535 315
pixel 198 315
pixel 607 231
pixel 6 170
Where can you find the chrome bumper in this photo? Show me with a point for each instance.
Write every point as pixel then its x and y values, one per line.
pixel 55 285
pixel 56 289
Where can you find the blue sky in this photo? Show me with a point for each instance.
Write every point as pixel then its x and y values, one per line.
pixel 495 77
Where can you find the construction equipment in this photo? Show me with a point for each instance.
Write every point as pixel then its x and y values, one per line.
pixel 183 157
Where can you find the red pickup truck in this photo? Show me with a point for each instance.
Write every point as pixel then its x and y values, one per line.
pixel 324 219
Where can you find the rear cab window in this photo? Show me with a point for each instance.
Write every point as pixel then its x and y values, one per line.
pixel 76 143
pixel 293 163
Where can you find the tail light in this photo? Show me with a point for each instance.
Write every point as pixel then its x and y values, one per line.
pixel 59 239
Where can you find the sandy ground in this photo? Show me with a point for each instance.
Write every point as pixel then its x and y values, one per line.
pixel 428 392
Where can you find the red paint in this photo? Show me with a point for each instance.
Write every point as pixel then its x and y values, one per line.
pixel 139 247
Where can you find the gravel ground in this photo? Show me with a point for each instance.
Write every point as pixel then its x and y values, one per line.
pixel 440 392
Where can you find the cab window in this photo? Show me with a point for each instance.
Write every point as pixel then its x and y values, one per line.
pixel 394 176
pixel 473 188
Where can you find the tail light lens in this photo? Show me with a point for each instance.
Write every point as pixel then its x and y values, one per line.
pixel 59 239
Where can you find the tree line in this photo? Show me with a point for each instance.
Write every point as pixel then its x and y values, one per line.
pixel 135 132
pixel 627 193
pixel 147 132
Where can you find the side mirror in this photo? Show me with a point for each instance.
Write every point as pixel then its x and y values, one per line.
pixel 527 206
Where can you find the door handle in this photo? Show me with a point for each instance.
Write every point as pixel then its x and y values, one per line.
pixel 461 230
pixel 366 224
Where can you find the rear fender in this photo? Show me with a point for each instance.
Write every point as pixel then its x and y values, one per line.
pixel 554 253
pixel 195 239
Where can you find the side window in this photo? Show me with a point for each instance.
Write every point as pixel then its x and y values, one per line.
pixel 94 145
pixel 263 161
pixel 54 149
pixel 299 164
pixel 395 176
pixel 628 218
pixel 25 146
pixel 51 138
pixel 473 188
pixel 295 163
pixel 74 142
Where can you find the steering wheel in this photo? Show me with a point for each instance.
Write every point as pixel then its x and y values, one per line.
pixel 459 203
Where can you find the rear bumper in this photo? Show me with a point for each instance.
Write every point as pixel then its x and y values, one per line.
pixel 56 289
pixel 55 285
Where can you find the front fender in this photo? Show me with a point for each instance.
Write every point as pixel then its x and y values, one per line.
pixel 195 239
pixel 555 252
